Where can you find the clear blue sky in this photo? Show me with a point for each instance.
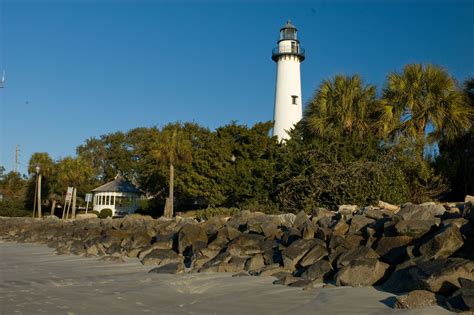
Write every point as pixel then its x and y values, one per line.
pixel 79 69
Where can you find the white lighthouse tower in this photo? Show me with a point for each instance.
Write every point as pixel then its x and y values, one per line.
pixel 288 103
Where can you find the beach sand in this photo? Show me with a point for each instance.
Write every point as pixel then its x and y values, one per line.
pixel 33 280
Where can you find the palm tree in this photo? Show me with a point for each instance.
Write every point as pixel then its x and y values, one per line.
pixel 173 147
pixel 422 97
pixel 343 106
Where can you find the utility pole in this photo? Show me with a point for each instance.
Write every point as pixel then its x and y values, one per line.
pixel 17 153
pixel 39 195
pixel 74 192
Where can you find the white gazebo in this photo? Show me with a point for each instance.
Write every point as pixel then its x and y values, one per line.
pixel 119 195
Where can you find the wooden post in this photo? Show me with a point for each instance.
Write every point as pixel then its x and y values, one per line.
pixel 87 206
pixel 36 193
pixel 169 209
pixel 73 212
pixel 53 207
pixel 39 195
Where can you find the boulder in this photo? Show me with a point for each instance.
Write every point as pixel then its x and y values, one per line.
pixel 286 280
pixel 246 245
pixel 300 220
pixel 347 209
pixel 286 219
pixel 442 244
pixel 363 272
pixel 425 211
pixel 293 253
pixel 417 299
pixel 340 228
pixel 171 268
pixel 189 235
pixel 359 222
pixel 438 276
pixel 415 228
pixel 320 213
pixel 358 253
pixel 164 241
pixel 463 299
pixel 255 263
pixel 270 270
pixel 388 206
pixel 393 249
pixel 377 214
pixel 308 229
pixel 161 257
pixel 321 270
pixel 290 235
pixel 317 253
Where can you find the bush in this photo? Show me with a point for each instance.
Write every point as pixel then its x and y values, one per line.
pixel 328 174
pixel 13 208
pixel 105 213
pixel 95 212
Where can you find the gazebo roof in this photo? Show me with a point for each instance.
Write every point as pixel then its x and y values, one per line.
pixel 119 184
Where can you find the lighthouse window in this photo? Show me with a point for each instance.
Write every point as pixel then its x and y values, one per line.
pixel 294 99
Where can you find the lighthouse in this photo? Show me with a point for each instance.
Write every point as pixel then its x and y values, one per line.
pixel 288 56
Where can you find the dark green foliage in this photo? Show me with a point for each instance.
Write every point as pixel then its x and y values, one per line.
pixel 13 208
pixel 456 160
pixel 95 212
pixel 105 213
pixel 330 173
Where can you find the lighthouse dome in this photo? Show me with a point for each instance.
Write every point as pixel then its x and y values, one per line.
pixel 288 25
pixel 288 32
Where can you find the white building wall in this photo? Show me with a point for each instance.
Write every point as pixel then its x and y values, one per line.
pixel 112 203
pixel 288 84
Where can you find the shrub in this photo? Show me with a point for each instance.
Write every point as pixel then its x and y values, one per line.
pixel 105 213
pixel 95 212
pixel 13 208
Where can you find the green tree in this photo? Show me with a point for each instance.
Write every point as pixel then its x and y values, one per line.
pixel 456 159
pixel 341 107
pixel 420 98
pixel 75 172
pixel 48 172
pixel 109 155
pixel 172 147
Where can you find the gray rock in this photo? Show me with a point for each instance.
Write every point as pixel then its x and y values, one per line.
pixel 320 213
pixel 164 241
pixel 255 264
pixel 293 253
pixel 417 299
pixel 359 222
pixel 415 228
pixel 161 257
pixel 438 276
pixel 317 253
pixel 347 209
pixel 246 245
pixel 362 272
pixel 442 244
pixel 463 299
pixel 358 253
pixel 171 268
pixel 393 249
pixel 424 211
pixel 189 235
pixel 340 228
pixel 320 270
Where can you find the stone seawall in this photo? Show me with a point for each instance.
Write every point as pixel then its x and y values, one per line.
pixel 426 251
